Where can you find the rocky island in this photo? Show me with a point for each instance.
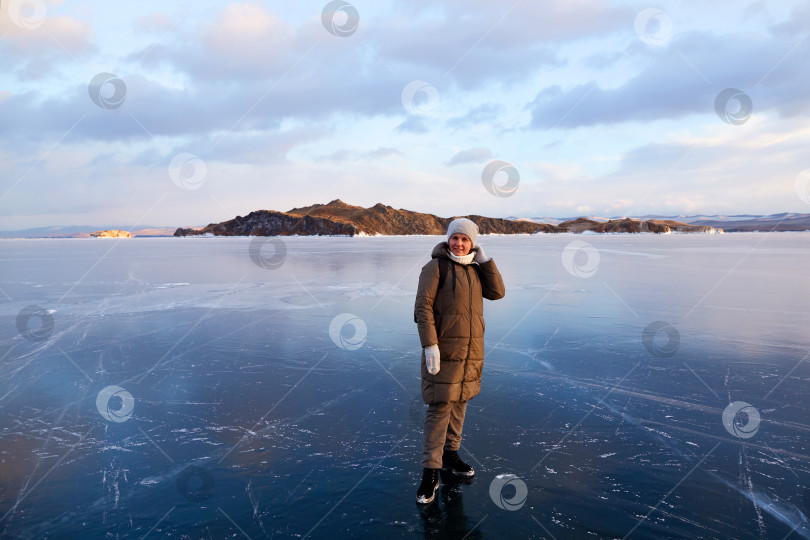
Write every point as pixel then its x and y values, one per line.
pixel 339 218
pixel 628 225
pixel 112 233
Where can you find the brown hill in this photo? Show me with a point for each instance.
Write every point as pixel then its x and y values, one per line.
pixel 629 225
pixel 339 218
pixel 677 226
pixel 579 225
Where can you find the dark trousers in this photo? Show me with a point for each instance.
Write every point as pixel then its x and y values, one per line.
pixel 443 425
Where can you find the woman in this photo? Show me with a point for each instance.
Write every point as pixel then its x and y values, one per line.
pixel 449 311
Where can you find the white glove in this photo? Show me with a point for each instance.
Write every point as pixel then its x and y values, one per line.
pixel 480 256
pixel 432 359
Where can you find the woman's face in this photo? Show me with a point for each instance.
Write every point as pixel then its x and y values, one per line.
pixel 460 244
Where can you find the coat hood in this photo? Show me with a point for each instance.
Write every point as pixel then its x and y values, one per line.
pixel 440 251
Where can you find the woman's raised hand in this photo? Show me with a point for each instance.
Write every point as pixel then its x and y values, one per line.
pixel 480 256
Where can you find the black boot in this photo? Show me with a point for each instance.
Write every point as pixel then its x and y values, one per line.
pixel 451 462
pixel 427 489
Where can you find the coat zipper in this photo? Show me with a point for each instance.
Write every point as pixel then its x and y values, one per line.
pixel 469 343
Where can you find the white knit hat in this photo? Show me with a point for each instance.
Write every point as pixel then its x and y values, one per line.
pixel 463 226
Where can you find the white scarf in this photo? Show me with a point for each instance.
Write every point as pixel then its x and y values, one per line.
pixel 463 259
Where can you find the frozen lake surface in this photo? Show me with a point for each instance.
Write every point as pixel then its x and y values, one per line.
pixel 634 387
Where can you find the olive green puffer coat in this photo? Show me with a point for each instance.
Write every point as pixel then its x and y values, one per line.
pixel 453 317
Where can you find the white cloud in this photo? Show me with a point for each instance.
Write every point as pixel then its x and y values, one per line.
pixel 244 40
pixel 473 155
pixel 39 53
pixel 684 78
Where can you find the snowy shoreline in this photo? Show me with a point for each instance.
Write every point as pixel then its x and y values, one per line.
pixel 492 235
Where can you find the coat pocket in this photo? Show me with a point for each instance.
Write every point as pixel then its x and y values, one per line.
pixel 449 372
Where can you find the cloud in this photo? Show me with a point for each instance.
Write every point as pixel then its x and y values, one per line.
pixel 473 155
pixel 473 43
pixel 619 205
pixel 245 40
pixel 246 68
pixel 559 173
pixel 796 24
pixel 241 42
pixel 382 152
pixel 468 26
pixel 754 170
pixel 684 79
pixel 155 22
pixel 412 124
pixel 486 113
pixel 39 53
pixel 338 156
pixel 343 155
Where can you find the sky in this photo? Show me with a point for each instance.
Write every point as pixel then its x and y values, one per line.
pixel 187 113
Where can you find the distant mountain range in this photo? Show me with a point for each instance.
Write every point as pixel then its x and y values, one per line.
pixel 339 218
pixel 733 223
